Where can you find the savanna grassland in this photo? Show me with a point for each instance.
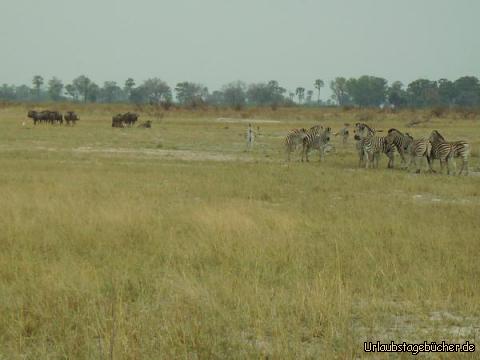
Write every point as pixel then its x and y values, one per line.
pixel 175 242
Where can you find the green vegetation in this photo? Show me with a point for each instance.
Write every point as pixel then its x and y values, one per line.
pixel 174 242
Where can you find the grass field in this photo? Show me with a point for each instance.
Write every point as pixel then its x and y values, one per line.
pixel 175 242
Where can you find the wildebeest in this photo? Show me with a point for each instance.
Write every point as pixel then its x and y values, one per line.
pixel 71 117
pixel 124 120
pixel 46 116
pixel 146 124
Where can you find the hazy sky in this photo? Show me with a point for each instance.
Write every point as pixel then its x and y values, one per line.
pixel 217 41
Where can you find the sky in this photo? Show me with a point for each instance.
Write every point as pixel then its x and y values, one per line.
pixel 214 42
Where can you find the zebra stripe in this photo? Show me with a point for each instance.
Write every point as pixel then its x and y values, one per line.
pixel 293 139
pixel 419 149
pixel 445 150
pixel 316 138
pixel 400 141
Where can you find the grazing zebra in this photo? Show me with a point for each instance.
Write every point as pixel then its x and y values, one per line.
pixel 250 136
pixel 400 141
pixel 293 139
pixel 445 150
pixel 372 146
pixel 316 138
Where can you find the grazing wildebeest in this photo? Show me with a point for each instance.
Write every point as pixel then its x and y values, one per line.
pixel 46 116
pixel 146 124
pixel 124 120
pixel 71 117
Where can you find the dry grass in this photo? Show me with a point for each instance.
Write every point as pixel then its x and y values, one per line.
pixel 136 254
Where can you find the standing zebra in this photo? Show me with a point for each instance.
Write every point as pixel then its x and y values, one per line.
pixel 400 141
pixel 344 134
pixel 316 138
pixel 445 150
pixel 416 148
pixel 293 139
pixel 250 137
pixel 372 146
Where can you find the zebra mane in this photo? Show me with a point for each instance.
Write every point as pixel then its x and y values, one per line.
pixel 438 135
pixel 393 129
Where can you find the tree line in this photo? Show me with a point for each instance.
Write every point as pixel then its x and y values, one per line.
pixel 364 91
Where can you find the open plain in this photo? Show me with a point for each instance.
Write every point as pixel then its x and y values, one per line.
pixel 177 242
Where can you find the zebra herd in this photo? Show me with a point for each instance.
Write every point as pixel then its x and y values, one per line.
pixel 370 146
pixel 52 117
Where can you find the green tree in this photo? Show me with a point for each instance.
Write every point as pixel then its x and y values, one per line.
pixel 234 94
pixel 55 88
pixel 129 85
pixel 467 90
pixel 367 90
pixel 446 92
pixel 190 94
pixel 396 94
pixel 423 93
pixel 82 86
pixel 155 91
pixel 300 92
pixel 37 84
pixel 318 85
pixel 110 92
pixel 71 91
pixel 339 90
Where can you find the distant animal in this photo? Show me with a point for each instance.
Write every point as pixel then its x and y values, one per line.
pixel 372 146
pixel 449 150
pixel 71 118
pixel 147 124
pixel 250 136
pixel 344 133
pixel 124 120
pixel 46 116
pixel 316 138
pixel 293 139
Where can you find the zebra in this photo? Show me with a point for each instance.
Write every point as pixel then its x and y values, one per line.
pixel 372 145
pixel 250 137
pixel 400 141
pixel 416 148
pixel 444 151
pixel 293 139
pixel 344 134
pixel 316 138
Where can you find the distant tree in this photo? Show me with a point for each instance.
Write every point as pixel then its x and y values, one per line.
pixel 82 86
pixel 300 92
pixel 37 84
pixel 367 90
pixel 55 88
pixel 110 92
pixel 71 91
pixel 396 95
pixel 309 96
pixel 318 85
pixel 467 89
pixel 234 94
pixel 93 92
pixel 129 85
pixel 23 93
pixel 190 94
pixel 263 94
pixel 7 92
pixel 339 89
pixel 216 98
pixel 156 91
pixel 422 93
pixel 291 96
pixel 446 92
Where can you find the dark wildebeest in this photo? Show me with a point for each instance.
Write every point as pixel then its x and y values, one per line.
pixel 130 118
pixel 71 117
pixel 123 120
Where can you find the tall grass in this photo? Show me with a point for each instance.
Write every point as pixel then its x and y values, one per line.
pixel 139 255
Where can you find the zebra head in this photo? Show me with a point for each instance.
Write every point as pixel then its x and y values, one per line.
pixel 435 136
pixel 362 130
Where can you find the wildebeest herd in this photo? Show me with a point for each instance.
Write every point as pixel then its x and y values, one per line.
pixel 127 119
pixel 52 117
pixel 370 146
